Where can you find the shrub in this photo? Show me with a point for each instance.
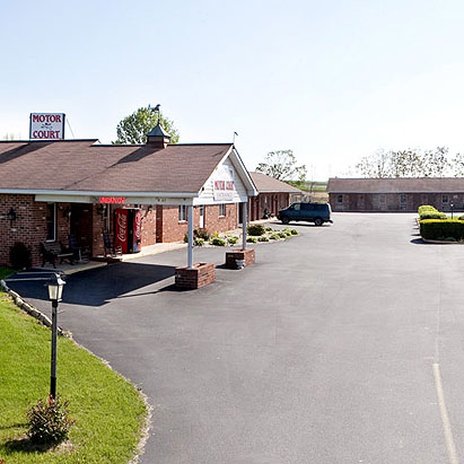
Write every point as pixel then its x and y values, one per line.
pixel 198 241
pixel 49 422
pixel 294 232
pixel 263 238
pixel 269 229
pixel 217 241
pixel 256 230
pixel 433 215
pixel 426 209
pixel 282 234
pixel 20 256
pixel 232 239
pixel 252 239
pixel 202 234
pixel 439 229
pixel 287 232
pixel 275 236
pixel 430 212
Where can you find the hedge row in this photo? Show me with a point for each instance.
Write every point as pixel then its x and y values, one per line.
pixel 430 212
pixel 439 229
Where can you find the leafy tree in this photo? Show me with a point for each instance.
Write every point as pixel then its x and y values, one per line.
pixel 135 127
pixel 409 163
pixel 406 163
pixel 376 165
pixel 282 165
pixel 435 163
pixel 457 165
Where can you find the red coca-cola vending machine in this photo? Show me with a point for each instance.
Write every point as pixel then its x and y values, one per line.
pixel 128 229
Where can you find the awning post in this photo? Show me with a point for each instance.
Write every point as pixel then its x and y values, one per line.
pixel 244 224
pixel 190 237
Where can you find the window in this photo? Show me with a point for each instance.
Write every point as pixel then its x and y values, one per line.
pixel 182 213
pixel 402 198
pixel 51 222
pixel 339 198
pixel 222 209
pixel 444 199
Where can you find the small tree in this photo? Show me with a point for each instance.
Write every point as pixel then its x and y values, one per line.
pixel 135 127
pixel 282 165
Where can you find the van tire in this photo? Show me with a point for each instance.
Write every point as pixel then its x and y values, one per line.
pixel 318 222
pixel 285 221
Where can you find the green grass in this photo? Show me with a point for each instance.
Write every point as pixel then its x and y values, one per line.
pixel 5 271
pixel 108 411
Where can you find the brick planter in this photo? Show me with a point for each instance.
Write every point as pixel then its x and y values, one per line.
pixel 248 256
pixel 202 274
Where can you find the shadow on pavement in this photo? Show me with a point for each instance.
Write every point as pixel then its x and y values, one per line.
pixel 97 286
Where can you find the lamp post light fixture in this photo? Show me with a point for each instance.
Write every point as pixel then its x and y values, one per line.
pixel 55 291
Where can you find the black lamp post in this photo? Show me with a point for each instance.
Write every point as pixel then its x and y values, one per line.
pixel 55 292
pixel 452 210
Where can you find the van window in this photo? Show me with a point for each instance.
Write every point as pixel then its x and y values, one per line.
pixel 296 206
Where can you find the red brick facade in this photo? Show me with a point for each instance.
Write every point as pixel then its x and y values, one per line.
pixel 173 230
pixel 272 202
pixel 87 223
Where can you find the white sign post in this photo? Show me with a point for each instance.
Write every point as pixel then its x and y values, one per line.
pixel 46 126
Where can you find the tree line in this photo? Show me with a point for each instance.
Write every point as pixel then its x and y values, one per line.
pixel 412 163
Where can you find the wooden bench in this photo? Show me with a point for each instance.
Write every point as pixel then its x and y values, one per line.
pixel 51 251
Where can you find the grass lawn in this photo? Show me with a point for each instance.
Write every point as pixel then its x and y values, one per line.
pixel 108 411
pixel 4 271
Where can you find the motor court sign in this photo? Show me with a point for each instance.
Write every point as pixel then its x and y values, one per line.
pixel 46 126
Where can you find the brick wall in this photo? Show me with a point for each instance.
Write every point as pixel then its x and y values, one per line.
pixel 174 231
pixel 148 226
pixel 30 226
pixel 273 202
pixel 395 202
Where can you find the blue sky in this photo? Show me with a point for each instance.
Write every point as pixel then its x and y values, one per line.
pixel 333 81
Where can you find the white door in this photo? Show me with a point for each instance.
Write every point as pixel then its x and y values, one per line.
pixel 202 218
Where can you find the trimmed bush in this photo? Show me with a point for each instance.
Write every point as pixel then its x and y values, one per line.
pixel 294 232
pixel 217 241
pixel 282 234
pixel 439 229
pixel 232 240
pixel 263 238
pixel 426 209
pixel 49 422
pixel 252 239
pixel 275 236
pixel 256 230
pixel 433 215
pixel 430 212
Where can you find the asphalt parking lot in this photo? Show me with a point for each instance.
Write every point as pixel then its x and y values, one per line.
pixel 342 345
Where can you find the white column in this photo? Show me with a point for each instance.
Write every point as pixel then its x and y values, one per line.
pixel 244 223
pixel 190 237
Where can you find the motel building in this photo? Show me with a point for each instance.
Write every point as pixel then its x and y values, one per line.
pixel 99 199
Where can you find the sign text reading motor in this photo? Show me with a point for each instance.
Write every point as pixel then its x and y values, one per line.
pixel 47 126
pixel 47 118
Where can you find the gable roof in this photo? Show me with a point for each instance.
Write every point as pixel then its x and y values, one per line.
pixel 267 184
pixel 84 166
pixel 397 185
